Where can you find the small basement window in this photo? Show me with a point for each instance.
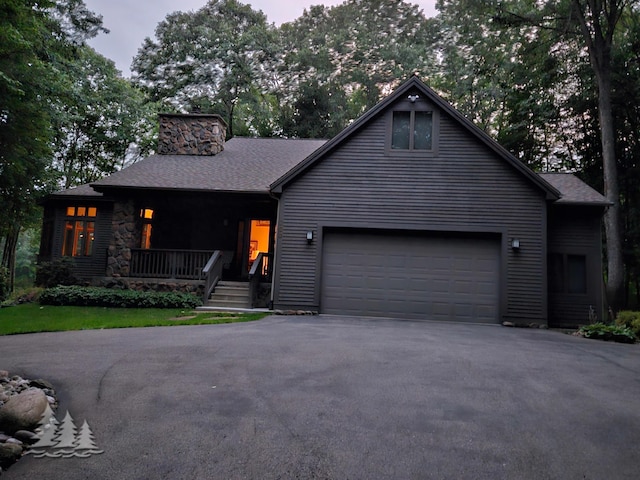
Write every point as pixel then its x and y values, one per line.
pixel 412 130
pixel 79 231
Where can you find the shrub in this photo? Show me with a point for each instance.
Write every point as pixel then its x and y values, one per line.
pixel 616 333
pixel 106 297
pixel 630 320
pixel 56 272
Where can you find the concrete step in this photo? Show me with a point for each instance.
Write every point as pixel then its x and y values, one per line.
pixel 230 294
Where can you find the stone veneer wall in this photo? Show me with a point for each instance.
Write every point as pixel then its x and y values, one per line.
pixel 195 134
pixel 123 239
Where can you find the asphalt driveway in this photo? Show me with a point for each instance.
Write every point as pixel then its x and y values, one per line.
pixel 338 398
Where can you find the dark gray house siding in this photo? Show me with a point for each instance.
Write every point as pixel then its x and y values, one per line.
pixel 575 232
pixel 464 188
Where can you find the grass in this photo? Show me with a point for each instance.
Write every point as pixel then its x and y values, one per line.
pixel 33 318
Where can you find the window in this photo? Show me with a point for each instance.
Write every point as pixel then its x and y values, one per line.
pixel 79 231
pixel 145 238
pixel 567 273
pixel 412 130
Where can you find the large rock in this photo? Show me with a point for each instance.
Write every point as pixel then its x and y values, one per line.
pixel 9 453
pixel 23 411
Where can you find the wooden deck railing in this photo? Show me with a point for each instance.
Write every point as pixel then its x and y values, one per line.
pixel 212 273
pixel 161 263
pixel 260 272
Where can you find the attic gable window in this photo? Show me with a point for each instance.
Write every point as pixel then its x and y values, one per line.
pixel 79 231
pixel 412 130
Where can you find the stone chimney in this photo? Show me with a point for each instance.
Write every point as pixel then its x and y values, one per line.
pixel 191 134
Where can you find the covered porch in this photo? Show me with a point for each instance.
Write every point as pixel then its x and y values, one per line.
pixel 194 237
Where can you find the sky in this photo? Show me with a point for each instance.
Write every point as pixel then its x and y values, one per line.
pixel 130 22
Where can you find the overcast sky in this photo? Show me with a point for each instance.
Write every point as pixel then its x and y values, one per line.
pixel 131 21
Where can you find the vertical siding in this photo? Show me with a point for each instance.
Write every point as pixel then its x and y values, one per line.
pixel 464 188
pixel 575 230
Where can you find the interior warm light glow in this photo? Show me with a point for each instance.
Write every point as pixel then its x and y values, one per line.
pixel 146 213
pixel 259 238
pixel 79 233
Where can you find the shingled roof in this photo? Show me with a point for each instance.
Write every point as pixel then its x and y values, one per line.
pixel 79 191
pixel 573 190
pixel 246 165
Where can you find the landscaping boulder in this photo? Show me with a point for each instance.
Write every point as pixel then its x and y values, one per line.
pixel 9 453
pixel 23 411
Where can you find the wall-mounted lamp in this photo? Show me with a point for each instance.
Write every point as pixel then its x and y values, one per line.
pixel 413 98
pixel 515 243
pixel 309 236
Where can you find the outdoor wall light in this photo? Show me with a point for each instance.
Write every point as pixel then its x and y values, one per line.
pixel 515 243
pixel 413 98
pixel 309 236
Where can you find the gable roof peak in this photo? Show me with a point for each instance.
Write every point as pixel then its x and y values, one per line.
pixel 415 83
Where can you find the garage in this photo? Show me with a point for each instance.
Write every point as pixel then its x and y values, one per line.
pixel 449 277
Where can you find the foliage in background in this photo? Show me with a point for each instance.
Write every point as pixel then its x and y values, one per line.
pixel 4 284
pixel 26 257
pixel 110 297
pixel 100 120
pixel 337 62
pixel 215 59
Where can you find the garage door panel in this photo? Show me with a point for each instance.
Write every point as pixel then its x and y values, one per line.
pixel 440 278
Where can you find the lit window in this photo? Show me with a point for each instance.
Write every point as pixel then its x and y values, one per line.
pixel 145 238
pixel 412 130
pixel 79 231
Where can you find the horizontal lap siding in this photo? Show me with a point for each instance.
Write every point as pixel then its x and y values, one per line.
pixel 576 230
pixel 465 188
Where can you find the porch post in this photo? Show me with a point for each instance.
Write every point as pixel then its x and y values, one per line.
pixel 123 239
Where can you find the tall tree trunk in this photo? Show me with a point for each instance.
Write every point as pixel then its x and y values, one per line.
pixel 598 20
pixel 9 253
pixel 612 217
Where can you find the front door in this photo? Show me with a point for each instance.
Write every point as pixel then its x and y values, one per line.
pixel 259 240
pixel 254 237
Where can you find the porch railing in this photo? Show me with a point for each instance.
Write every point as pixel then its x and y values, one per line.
pixel 260 272
pixel 212 273
pixel 160 263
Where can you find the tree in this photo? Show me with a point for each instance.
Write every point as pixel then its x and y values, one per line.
pixel 213 59
pixel 36 38
pixel 583 26
pixel 338 62
pixel 25 80
pixel 98 120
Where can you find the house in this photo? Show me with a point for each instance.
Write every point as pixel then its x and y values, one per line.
pixel 410 212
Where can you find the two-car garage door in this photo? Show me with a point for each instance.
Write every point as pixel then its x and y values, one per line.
pixel 433 277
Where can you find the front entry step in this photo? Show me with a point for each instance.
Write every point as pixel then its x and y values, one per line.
pixel 230 295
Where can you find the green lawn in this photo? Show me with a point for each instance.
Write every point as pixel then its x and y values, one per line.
pixel 32 318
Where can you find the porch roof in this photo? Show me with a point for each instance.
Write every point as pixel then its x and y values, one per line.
pixel 245 165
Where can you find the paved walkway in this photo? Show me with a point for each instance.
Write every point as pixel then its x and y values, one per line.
pixel 338 398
